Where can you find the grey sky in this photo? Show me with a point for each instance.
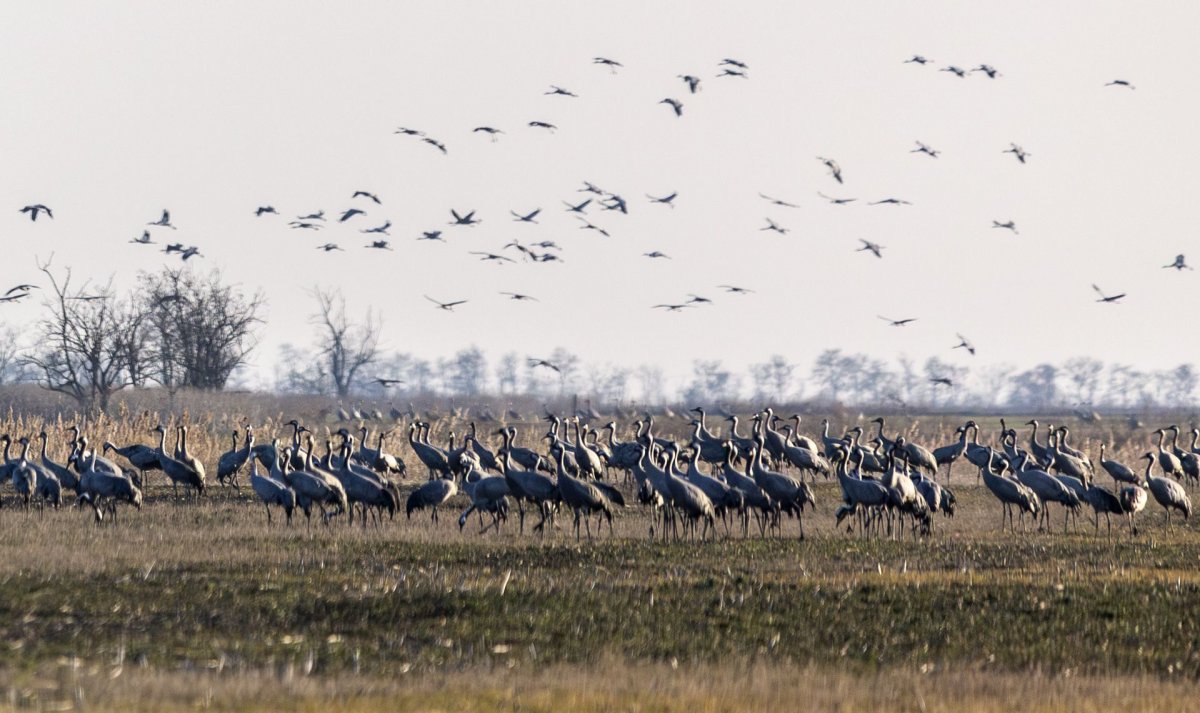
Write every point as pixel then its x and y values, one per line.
pixel 113 113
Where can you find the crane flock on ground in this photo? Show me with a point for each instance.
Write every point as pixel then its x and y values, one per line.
pixel 596 209
pixel 706 486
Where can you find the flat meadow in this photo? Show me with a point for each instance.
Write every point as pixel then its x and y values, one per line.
pixel 197 602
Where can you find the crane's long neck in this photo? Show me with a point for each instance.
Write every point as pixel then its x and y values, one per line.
pixel 507 451
pixel 842 469
pixel 1162 436
pixel 43 437
pixel 769 426
pixel 308 456
pixel 162 441
pixel 889 466
pixel 1149 468
pixel 296 436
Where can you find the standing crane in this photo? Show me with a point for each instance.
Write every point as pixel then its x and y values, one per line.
pixel 1167 492
pixel 178 471
pixel 1009 492
pixel 269 490
pixel 1120 472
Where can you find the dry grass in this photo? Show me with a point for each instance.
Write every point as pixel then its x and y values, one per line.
pixel 610 685
pixel 192 603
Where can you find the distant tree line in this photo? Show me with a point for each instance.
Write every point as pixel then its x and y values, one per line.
pixel 182 329
pixel 835 377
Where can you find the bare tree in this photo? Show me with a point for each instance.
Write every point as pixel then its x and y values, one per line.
pixel 652 381
pixel 908 380
pixel 12 367
pixel 83 349
pixel 772 378
pixel 940 393
pixel 292 378
pixel 421 376
pixel 881 384
pixel 1184 381
pixel 1035 388
pixel 710 382
pixel 568 364
pixel 608 383
pixel 507 371
pixel 345 346
pixel 466 373
pixel 203 329
pixel 1084 375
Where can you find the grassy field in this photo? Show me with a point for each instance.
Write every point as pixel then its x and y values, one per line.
pixel 188 604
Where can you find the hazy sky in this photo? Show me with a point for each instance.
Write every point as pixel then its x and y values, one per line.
pixel 115 111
